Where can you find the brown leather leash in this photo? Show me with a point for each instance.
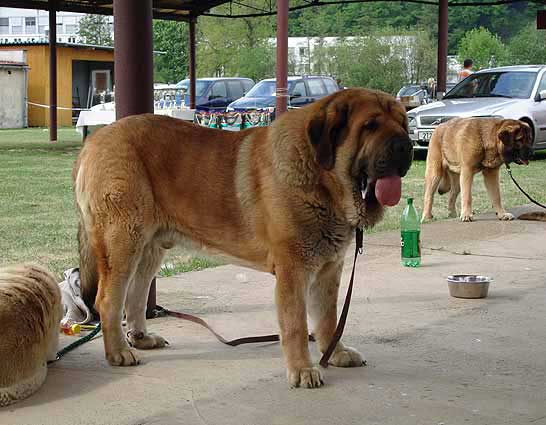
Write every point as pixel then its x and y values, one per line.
pixel 275 337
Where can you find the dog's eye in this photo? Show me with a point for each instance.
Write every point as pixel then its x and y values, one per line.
pixel 371 125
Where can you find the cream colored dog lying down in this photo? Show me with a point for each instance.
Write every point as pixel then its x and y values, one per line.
pixel 30 313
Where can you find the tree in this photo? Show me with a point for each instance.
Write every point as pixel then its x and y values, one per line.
pixel 171 41
pixel 237 47
pixel 528 46
pixel 354 19
pixel 485 49
pixel 418 51
pixel 363 62
pixel 96 30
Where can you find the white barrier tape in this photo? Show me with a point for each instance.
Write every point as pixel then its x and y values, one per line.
pixel 58 107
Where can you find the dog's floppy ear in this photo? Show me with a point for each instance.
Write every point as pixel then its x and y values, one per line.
pixel 506 135
pixel 527 132
pixel 325 131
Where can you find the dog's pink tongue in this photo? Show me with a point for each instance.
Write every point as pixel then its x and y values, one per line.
pixel 388 190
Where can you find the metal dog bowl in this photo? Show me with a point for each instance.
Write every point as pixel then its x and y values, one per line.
pixel 468 285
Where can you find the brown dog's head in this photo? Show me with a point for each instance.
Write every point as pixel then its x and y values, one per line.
pixel 515 141
pixel 361 136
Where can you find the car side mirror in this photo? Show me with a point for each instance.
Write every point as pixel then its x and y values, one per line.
pixel 541 96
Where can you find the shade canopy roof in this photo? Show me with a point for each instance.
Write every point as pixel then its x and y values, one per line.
pixel 184 10
pixel 178 10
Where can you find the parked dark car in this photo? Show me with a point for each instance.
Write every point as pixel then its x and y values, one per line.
pixel 214 94
pixel 301 91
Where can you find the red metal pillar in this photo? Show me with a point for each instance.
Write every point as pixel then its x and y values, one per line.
pixel 52 70
pixel 191 62
pixel 282 56
pixel 134 71
pixel 442 48
pixel 133 57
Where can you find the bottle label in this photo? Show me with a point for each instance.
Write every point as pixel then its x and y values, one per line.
pixel 410 244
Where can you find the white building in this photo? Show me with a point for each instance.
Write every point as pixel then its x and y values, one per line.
pixel 301 49
pixel 13 89
pixel 27 25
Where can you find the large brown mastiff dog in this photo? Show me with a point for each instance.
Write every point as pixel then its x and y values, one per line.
pixel 284 199
pixel 463 147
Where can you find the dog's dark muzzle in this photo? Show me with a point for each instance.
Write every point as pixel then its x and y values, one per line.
pixel 397 157
pixel 518 156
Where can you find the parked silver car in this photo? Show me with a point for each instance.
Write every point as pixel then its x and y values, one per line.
pixel 517 92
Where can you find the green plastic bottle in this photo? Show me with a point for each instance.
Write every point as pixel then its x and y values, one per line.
pixel 410 236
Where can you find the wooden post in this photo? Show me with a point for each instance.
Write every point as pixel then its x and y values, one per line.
pixel 191 63
pixel 442 48
pixel 134 71
pixel 282 57
pixel 52 70
pixel 133 57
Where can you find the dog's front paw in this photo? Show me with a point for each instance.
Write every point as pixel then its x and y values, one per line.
pixel 467 218
pixel 347 357
pixel 426 217
pixel 307 377
pixel 144 341
pixel 123 357
pixel 505 216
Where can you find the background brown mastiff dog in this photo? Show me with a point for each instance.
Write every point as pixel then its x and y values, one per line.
pixel 284 199
pixel 463 147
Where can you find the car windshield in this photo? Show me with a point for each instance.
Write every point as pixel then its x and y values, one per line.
pixel 518 84
pixel 265 89
pixel 200 87
pixel 408 90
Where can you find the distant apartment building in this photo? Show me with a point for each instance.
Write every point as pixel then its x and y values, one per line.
pixel 302 50
pixel 32 26
pixel 304 53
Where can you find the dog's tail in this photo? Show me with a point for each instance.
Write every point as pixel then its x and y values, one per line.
pixel 89 277
pixel 445 183
pixel 533 216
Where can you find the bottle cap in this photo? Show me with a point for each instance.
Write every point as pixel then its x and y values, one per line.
pixel 410 201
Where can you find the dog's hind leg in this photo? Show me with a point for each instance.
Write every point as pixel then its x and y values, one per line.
pixel 433 174
pixel 466 179
pixel 137 296
pixel 453 194
pixel 322 309
pixel 118 252
pixel 432 180
pixel 445 182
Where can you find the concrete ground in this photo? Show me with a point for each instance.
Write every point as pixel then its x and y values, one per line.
pixel 432 359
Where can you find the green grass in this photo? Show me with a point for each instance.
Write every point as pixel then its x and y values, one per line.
pixel 37 215
pixel 38 219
